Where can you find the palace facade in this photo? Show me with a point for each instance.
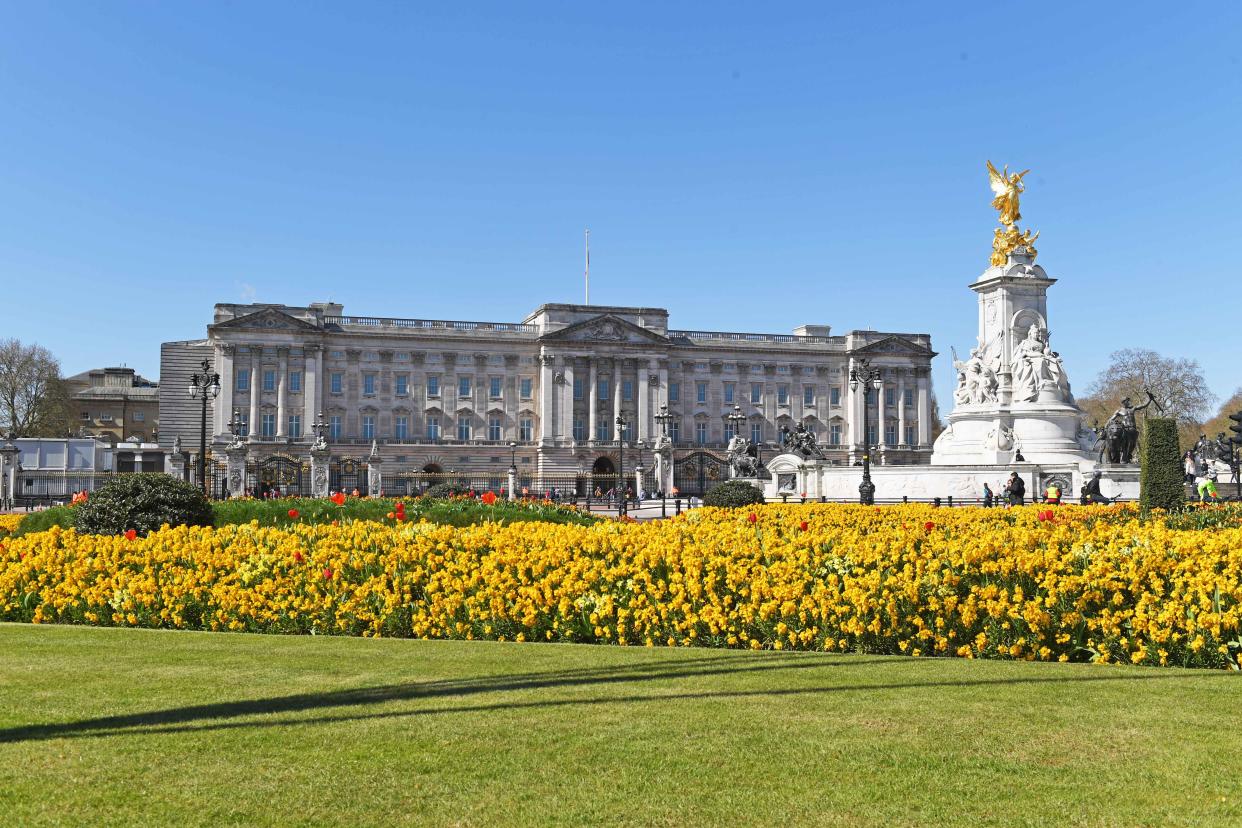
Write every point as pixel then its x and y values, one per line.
pixel 434 395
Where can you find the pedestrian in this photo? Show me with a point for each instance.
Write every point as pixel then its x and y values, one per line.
pixel 1052 494
pixel 987 496
pixel 1207 487
pixel 1091 492
pixel 1189 466
pixel 1015 490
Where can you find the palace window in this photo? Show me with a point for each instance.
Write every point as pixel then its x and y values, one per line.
pixel 890 435
pixel 808 395
pixel 402 384
pixel 401 427
pixel 334 427
pixel 433 427
pixel 912 435
pixel 525 388
pixel 871 434
pixel 909 395
pixel 463 387
pixel 139 416
pixel 700 391
pixel 756 433
pixel 834 396
pixel 295 425
pixel 890 396
pixel 368 385
pixel 269 380
pixel 782 395
pixel 603 428
pixel 368 427
pixel 526 429
pixel 243 379
pixel 579 429
pixel 700 433
pixel 674 431
pixel 336 383
pixel 577 387
pixel 601 391
pixel 493 428
pixel 433 385
pixel 729 431
pixel 728 392
pixel 674 392
pixel 463 427
pixel 295 380
pixel 267 425
pixel 243 424
pixel 493 390
pixel 627 390
pixel 834 434
pixel 756 393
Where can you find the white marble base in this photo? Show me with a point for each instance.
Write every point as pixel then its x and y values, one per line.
pixel 1046 433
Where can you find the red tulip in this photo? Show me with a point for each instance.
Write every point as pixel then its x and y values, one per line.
pixel 489 498
pixel 400 506
pixel 327 573
pixel 390 515
pixel 293 513
pixel 130 534
pixel 803 526
pixel 336 523
pixel 752 517
pixel 927 527
pixel 338 498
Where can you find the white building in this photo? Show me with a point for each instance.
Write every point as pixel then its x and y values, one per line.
pixel 436 395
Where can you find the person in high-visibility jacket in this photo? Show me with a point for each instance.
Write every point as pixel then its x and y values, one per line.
pixel 1052 494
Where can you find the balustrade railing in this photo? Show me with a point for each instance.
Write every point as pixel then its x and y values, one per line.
pixel 430 324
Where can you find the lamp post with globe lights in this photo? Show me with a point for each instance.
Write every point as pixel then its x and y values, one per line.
pixel 204 387
pixel 864 376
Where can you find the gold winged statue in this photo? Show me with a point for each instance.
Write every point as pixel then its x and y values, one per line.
pixel 1007 189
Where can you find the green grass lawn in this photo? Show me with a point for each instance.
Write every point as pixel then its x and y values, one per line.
pixel 137 727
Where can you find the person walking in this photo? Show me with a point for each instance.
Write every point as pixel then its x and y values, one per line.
pixel 987 496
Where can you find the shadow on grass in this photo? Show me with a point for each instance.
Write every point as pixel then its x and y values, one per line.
pixel 206 717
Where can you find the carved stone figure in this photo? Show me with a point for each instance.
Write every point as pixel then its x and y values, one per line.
pixel 235 443
pixel 976 381
pixel 1121 430
pixel 1036 367
pixel 320 444
pixel 743 457
pixel 177 444
pixel 800 441
pixel 662 448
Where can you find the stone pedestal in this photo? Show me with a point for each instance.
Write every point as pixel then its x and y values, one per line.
pixel 512 483
pixel 236 483
pixel 375 476
pixel 319 472
pixel 179 462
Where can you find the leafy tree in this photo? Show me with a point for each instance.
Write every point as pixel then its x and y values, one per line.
pixel 33 399
pixel 1221 421
pixel 1178 385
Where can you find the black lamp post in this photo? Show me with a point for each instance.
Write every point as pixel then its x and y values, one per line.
pixel 204 387
pixel 622 423
pixel 862 374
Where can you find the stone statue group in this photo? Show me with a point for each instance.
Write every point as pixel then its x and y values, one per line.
pixel 1035 368
pixel 744 455
pixel 1118 439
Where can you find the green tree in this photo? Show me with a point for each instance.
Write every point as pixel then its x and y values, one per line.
pixel 34 401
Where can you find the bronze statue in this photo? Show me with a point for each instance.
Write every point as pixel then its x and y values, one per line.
pixel 1121 430
pixel 1007 189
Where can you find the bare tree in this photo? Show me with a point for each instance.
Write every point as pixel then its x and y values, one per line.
pixel 1221 422
pixel 33 399
pixel 1177 384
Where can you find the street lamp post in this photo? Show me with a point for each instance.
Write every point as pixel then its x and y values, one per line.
pixel 204 387
pixel 512 470
pixel 862 374
pixel 663 419
pixel 638 473
pixel 622 423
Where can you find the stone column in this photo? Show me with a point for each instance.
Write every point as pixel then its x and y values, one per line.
pixel 593 396
pixel 236 471
pixel 282 391
pixel 901 409
pixel 319 472
pixel 853 414
pixel 224 404
pixel 312 356
pixel 880 412
pixel 567 398
pixel 645 371
pixel 924 408
pixel 256 384
pixel 512 483
pixel 638 478
pixel 615 390
pixel 547 400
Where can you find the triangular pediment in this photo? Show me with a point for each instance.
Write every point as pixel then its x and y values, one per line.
pixel 893 345
pixel 604 328
pixel 268 319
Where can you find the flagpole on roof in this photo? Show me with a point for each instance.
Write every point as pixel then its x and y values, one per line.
pixel 587 273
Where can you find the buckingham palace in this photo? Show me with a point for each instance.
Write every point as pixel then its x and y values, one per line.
pixel 544 394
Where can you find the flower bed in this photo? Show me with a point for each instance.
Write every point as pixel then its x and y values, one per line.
pixel 1102 584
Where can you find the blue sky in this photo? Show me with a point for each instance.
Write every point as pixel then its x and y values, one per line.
pixel 747 166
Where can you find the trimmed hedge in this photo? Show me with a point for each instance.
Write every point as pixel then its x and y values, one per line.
pixel 1161 481
pixel 733 494
pixel 142 502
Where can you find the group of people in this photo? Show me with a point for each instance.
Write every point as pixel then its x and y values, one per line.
pixel 1014 492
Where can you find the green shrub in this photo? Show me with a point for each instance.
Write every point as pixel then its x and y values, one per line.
pixel 733 494
pixel 441 490
pixel 1161 481
pixel 62 516
pixel 142 502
